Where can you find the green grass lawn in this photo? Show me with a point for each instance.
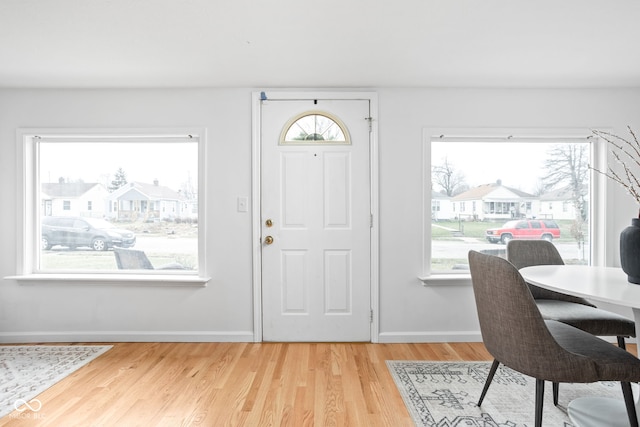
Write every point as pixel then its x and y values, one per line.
pixel 78 260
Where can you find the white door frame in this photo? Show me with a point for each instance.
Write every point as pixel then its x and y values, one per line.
pixel 256 195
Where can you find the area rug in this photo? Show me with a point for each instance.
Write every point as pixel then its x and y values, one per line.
pixel 444 394
pixel 26 371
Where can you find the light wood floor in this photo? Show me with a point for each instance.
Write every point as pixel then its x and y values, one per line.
pixel 237 384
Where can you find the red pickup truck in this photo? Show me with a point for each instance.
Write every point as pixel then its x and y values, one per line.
pixel 546 229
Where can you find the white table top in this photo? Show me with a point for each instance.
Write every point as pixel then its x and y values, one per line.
pixel 606 284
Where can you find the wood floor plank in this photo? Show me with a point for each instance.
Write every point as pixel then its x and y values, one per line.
pixel 238 384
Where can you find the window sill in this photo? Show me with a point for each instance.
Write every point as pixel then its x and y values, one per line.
pixel 446 280
pixel 114 279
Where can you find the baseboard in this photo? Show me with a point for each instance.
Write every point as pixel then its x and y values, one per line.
pixel 430 337
pixel 126 336
pixel 457 336
pixel 216 336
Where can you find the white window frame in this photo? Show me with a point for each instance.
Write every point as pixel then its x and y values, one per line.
pixel 597 207
pixel 27 208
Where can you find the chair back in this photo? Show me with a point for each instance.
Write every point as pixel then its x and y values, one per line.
pixel 512 327
pixel 131 259
pixel 527 253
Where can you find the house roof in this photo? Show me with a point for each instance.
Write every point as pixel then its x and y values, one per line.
pixel 482 191
pixel 439 195
pixel 67 189
pixel 150 191
pixel 564 193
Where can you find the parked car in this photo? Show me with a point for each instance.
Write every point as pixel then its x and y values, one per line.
pixel 546 229
pixel 73 232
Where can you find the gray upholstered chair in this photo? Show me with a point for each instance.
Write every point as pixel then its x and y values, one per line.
pixel 569 309
pixel 574 311
pixel 516 335
pixel 132 259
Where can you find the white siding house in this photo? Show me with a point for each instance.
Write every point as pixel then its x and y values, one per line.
pixel 493 202
pixel 74 199
pixel 147 202
pixel 441 207
pixel 558 204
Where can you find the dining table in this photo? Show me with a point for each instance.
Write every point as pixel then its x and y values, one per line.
pixel 597 284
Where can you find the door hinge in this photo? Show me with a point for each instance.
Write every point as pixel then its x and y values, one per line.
pixel 371 316
pixel 370 220
pixel 370 120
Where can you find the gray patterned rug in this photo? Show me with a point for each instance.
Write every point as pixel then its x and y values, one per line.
pixel 444 394
pixel 28 370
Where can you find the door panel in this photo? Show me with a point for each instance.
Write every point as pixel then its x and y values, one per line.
pixel 294 282
pixel 316 194
pixel 338 283
pixel 337 171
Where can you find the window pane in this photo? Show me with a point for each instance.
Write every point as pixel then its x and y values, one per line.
pixel 487 193
pixel 99 196
pixel 314 128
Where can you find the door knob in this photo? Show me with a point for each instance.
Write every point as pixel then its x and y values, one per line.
pixel 268 240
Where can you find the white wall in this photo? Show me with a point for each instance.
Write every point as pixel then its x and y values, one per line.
pixel 223 310
pixel 408 309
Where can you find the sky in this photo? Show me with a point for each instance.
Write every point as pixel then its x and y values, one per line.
pixel 171 163
pixel 519 165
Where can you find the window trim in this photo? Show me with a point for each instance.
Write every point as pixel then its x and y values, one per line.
pixel 27 207
pixel 597 208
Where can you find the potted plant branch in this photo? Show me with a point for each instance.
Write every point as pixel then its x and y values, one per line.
pixel 626 152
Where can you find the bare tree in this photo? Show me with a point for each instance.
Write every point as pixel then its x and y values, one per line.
pixel 539 189
pixel 188 189
pixel 448 178
pixel 567 165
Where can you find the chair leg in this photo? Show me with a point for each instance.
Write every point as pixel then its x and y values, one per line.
pixel 492 372
pixel 539 402
pixel 621 343
pixel 556 387
pixel 629 403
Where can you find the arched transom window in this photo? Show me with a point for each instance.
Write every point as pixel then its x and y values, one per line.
pixel 314 127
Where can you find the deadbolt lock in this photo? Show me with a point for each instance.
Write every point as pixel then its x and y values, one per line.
pixel 268 223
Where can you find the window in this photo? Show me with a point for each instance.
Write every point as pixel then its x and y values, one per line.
pixel 135 192
pixel 315 127
pixel 508 178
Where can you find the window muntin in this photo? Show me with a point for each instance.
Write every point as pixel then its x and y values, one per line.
pixel 314 127
pixel 488 161
pixel 162 170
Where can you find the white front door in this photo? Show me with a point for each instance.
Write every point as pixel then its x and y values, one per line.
pixel 316 220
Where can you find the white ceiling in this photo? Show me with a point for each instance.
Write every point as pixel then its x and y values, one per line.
pixel 321 43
